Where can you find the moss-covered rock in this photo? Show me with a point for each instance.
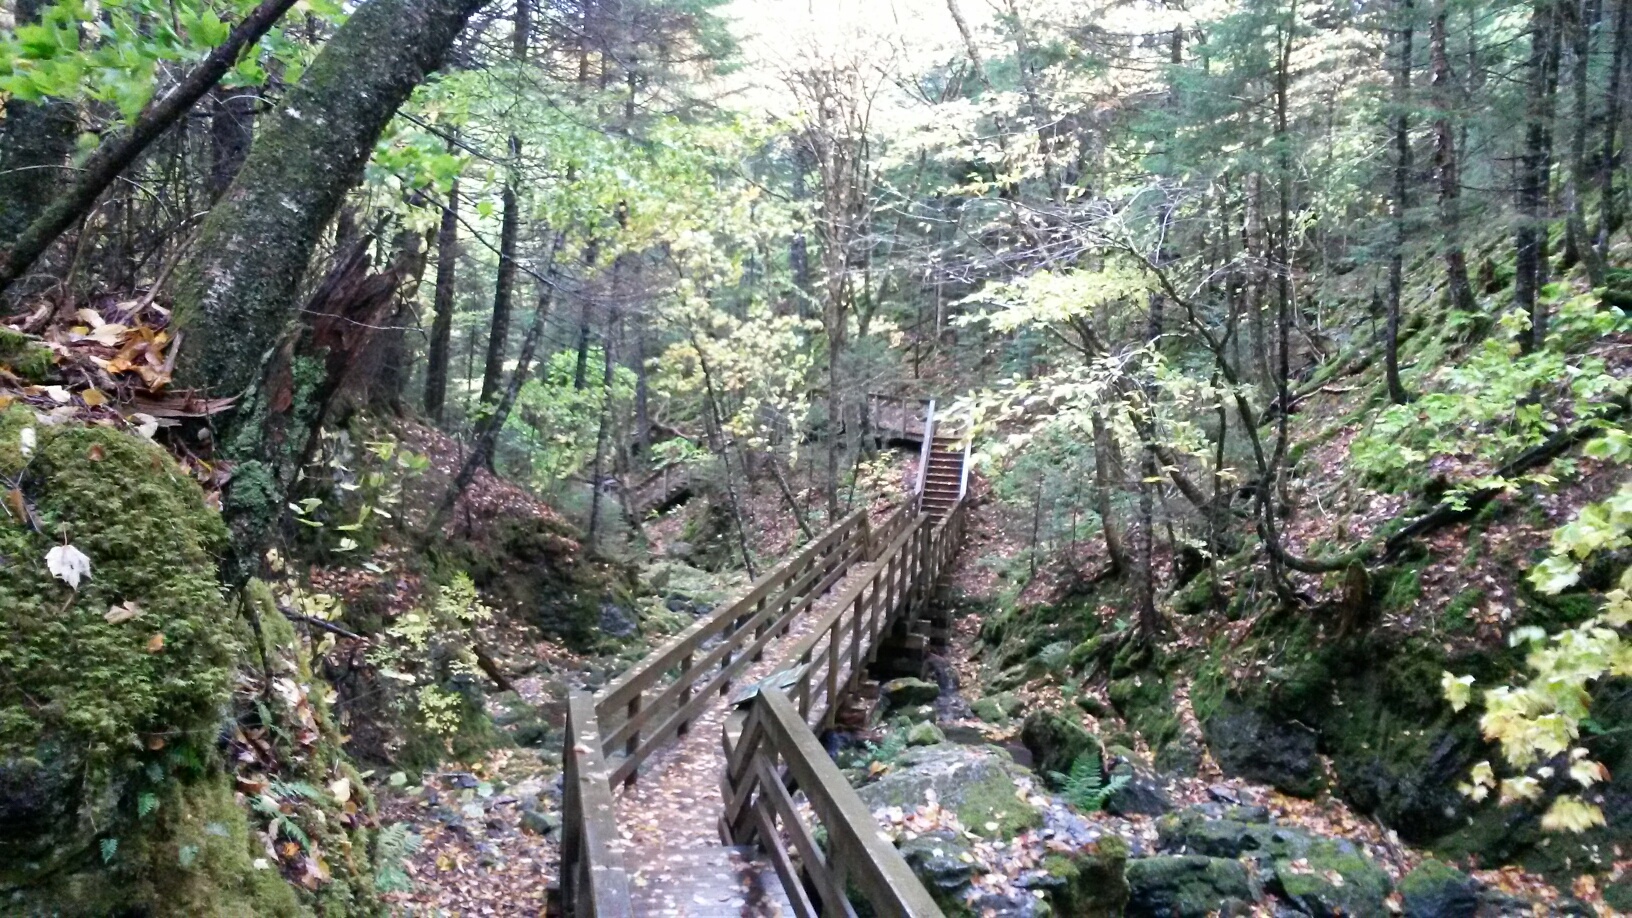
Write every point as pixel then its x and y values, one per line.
pixel 925 733
pixel 1055 741
pixel 945 864
pixel 978 784
pixel 1187 886
pixel 1091 883
pixel 1438 890
pixel 1248 742
pixel 908 693
pixel 997 708
pixel 27 358
pixel 1333 881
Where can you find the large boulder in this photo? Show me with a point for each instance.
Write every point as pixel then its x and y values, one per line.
pixel 1055 741
pixel 979 784
pixel 1333 881
pixel 1090 883
pixel 1249 743
pixel 1187 886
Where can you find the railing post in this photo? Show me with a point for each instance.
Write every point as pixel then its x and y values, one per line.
pixel 855 637
pixel 632 745
pixel 685 691
pixel 833 667
pixel 759 632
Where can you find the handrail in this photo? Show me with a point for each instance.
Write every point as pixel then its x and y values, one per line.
pixel 749 623
pixel 855 855
pixel 923 454
pixel 593 881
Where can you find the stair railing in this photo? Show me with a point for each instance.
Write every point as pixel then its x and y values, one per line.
pixel 923 455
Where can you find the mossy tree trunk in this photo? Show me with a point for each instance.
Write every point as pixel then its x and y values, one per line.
pixel 447 262
pixel 237 296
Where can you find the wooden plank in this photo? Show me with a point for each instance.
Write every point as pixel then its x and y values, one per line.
pixel 817 865
pixel 777 852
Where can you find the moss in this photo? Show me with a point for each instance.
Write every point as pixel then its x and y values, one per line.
pixel 1455 618
pixel 105 686
pixel 26 357
pixel 1398 589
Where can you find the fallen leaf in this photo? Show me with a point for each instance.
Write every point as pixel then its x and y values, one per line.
pixel 68 564
pixel 155 643
pixel 123 612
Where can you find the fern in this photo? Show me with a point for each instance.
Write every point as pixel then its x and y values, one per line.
pixel 392 846
pixel 110 847
pixel 1085 787
pixel 146 804
pixel 888 751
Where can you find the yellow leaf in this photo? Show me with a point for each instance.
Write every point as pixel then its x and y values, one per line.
pixel 1571 814
pixel 94 398
pixel 156 643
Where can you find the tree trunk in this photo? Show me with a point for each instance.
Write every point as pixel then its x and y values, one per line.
pixel 232 131
pixel 447 261
pixel 1535 167
pixel 1609 212
pixel 36 139
pixel 238 293
pixel 119 148
pixel 1401 203
pixel 1582 17
pixel 1448 167
pixel 498 333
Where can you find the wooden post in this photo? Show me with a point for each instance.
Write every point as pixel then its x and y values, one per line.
pixel 833 668
pixel 759 632
pixel 632 745
pixel 685 691
pixel 855 636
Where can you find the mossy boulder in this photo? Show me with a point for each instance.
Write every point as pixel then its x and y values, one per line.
pixel 996 709
pixel 976 783
pixel 1052 660
pixel 1248 742
pixel 1055 741
pixel 102 678
pixel 1187 886
pixel 1333 880
pixel 114 794
pixel 1091 883
pixel 1438 890
pixel 925 733
pixel 908 693
pixel 27 358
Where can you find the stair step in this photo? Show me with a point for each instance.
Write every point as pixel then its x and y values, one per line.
pixel 714 882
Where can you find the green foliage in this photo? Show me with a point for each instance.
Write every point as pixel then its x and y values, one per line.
pixel 428 646
pixel 117 52
pixel 554 422
pixel 393 845
pixel 1539 724
pixel 1494 404
pixel 1085 785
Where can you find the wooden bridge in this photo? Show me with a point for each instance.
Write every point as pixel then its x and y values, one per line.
pixel 682 798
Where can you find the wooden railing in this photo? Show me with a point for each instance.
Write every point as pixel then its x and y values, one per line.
pixel 772 750
pixel 657 699
pixel 593 881
pixel 777 755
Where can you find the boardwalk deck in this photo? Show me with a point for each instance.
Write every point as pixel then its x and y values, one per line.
pixel 701 768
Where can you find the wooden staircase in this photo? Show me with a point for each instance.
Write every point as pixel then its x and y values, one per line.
pixel 943 474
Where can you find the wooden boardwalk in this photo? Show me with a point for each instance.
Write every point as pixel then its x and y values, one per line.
pixel 686 798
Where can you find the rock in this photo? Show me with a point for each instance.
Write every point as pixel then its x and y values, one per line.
pixel 1141 796
pixel 1090 883
pixel 617 621
pixel 908 693
pixel 925 734
pixel 924 713
pixel 1091 705
pixel 938 859
pixel 1055 742
pixel 539 822
pixel 1438 890
pixel 1334 880
pixel 1206 830
pixel 997 708
pixel 976 783
pixel 1248 743
pixel 1189 886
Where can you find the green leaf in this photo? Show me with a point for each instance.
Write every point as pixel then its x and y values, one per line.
pixel 110 847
